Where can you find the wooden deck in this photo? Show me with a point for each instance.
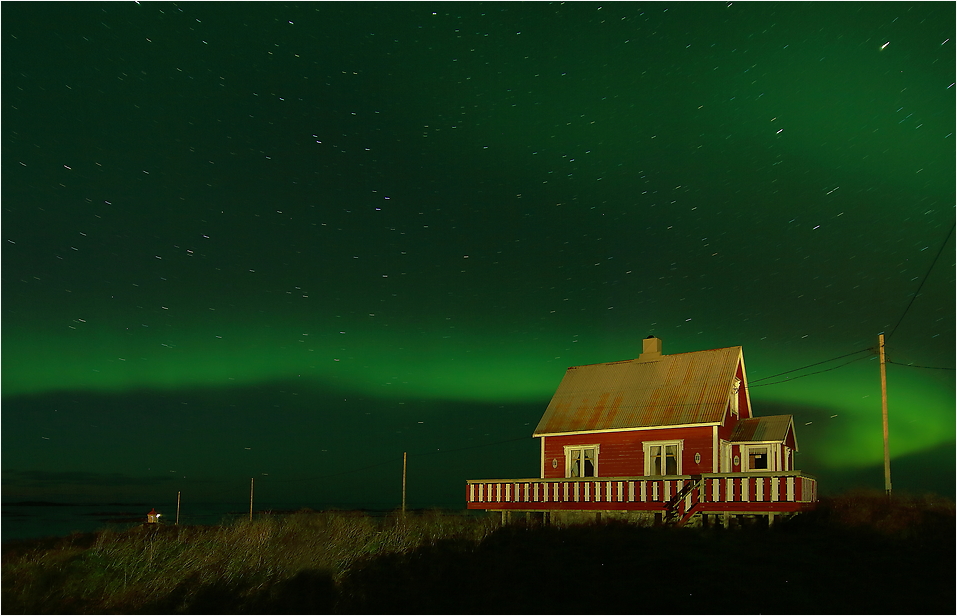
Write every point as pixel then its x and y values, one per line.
pixel 676 496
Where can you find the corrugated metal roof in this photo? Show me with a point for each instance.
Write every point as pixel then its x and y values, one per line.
pixel 666 390
pixel 772 428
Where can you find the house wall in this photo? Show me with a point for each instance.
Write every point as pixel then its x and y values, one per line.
pixel 736 454
pixel 726 429
pixel 621 454
pixel 790 441
pixel 727 426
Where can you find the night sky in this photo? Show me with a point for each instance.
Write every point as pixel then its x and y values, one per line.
pixel 292 241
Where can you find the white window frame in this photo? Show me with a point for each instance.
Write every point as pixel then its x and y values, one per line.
pixel 647 445
pixel 568 457
pixel 773 453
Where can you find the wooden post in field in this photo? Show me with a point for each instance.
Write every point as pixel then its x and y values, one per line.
pixel 177 508
pixel 404 456
pixel 251 482
pixel 887 451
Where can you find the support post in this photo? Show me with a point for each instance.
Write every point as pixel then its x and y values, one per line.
pixel 887 451
pixel 177 507
pixel 251 483
pixel 404 456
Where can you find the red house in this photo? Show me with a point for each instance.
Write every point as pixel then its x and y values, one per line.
pixel 669 436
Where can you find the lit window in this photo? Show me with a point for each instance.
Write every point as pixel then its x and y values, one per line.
pixel 758 458
pixel 663 457
pixel 581 461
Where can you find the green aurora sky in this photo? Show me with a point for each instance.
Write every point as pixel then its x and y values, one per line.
pixel 292 241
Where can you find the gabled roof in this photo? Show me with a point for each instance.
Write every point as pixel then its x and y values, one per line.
pixel 664 390
pixel 763 429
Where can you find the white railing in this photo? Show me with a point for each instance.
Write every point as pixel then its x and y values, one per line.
pixel 717 491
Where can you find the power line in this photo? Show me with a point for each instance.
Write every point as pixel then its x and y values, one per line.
pixel 916 293
pixel 810 373
pixel 750 385
pixel 897 363
pixel 906 310
pixel 809 366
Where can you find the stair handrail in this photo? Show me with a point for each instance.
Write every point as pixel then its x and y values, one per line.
pixel 671 507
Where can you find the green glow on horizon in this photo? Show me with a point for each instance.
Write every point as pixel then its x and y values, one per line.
pixel 472 367
pixel 429 365
pixel 920 412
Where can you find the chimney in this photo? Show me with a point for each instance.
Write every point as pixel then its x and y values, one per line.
pixel 651 349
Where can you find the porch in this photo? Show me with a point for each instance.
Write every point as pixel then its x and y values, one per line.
pixel 676 497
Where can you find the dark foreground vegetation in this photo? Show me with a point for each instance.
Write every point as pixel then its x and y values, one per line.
pixel 859 553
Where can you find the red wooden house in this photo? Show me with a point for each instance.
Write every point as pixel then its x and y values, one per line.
pixel 668 436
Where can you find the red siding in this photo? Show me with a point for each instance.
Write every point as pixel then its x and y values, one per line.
pixel 735 453
pixel 727 428
pixel 621 453
pixel 790 441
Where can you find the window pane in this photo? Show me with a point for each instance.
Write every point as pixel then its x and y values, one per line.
pixel 671 460
pixel 654 458
pixel 588 467
pixel 758 458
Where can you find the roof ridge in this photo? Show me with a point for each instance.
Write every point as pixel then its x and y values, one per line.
pixel 663 355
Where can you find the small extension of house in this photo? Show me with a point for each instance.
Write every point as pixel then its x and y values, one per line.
pixel 666 437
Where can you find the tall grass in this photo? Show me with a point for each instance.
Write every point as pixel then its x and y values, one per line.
pixel 237 566
pixel 860 552
pixel 905 516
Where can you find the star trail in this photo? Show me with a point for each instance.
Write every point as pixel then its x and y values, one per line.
pixel 294 241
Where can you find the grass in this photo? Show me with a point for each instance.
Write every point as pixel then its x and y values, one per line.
pixel 217 569
pixel 856 553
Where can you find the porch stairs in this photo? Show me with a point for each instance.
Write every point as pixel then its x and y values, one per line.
pixel 673 509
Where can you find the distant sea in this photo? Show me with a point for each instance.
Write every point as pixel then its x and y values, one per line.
pixel 32 520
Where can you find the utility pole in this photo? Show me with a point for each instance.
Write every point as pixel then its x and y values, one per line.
pixel 887 451
pixel 404 456
pixel 177 507
pixel 251 482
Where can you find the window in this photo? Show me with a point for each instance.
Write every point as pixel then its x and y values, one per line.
pixel 581 461
pixel 663 457
pixel 759 457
